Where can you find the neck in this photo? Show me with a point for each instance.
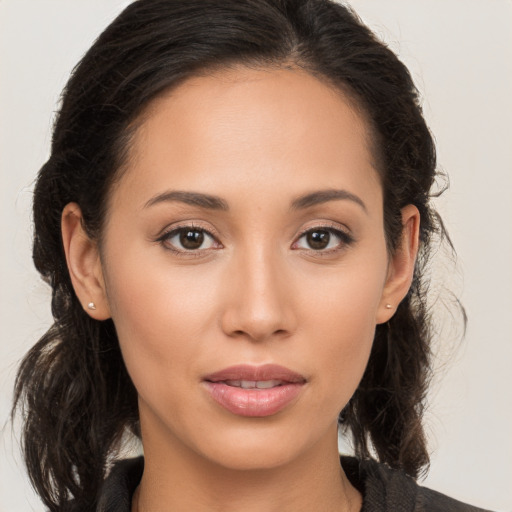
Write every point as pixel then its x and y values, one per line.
pixel 177 480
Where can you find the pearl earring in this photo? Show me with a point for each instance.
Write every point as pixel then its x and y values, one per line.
pixel 389 306
pixel 91 306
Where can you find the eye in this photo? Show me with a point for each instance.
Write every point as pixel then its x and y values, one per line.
pixel 188 238
pixel 322 239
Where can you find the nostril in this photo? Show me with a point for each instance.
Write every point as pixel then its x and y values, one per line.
pixel 253 334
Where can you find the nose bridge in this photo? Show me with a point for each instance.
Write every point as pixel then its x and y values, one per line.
pixel 260 304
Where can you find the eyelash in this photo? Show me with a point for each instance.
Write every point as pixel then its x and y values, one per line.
pixel 345 240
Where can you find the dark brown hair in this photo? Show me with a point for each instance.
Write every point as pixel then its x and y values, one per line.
pixel 76 397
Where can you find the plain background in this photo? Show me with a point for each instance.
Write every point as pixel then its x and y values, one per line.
pixel 460 55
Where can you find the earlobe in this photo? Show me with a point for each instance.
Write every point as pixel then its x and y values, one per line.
pixel 401 265
pixel 84 264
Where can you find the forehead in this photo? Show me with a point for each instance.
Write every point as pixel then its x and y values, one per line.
pixel 247 127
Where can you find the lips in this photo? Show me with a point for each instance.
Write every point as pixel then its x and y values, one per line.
pixel 254 391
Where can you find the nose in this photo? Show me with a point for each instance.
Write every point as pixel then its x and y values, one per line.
pixel 259 304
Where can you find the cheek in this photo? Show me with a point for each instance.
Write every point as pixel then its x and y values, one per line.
pixel 346 300
pixel 342 318
pixel 160 316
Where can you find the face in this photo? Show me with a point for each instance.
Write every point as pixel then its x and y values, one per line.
pixel 245 265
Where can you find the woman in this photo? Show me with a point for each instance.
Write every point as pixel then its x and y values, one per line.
pixel 234 221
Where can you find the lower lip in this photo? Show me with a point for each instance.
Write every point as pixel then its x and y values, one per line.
pixel 253 402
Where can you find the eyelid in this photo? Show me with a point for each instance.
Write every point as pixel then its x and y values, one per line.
pixel 193 224
pixel 327 225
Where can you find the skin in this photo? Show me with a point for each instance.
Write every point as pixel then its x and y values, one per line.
pixel 256 292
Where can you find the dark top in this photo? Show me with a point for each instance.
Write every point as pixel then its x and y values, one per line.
pixel 383 489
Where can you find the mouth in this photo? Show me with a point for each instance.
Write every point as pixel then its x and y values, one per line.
pixel 254 391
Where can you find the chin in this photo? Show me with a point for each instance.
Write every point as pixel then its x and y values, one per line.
pixel 253 458
pixel 262 447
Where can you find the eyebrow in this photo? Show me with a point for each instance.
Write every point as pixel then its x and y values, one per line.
pixel 323 196
pixel 211 202
pixel 193 198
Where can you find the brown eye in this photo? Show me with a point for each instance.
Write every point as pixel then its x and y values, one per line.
pixel 318 239
pixel 191 239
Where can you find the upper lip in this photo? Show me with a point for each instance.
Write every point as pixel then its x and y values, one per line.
pixel 255 373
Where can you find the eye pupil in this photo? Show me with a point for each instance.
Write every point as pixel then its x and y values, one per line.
pixel 318 239
pixel 191 239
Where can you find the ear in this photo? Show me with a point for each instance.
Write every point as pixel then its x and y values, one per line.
pixel 401 265
pixel 84 264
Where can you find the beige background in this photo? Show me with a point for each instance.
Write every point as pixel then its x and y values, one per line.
pixel 460 54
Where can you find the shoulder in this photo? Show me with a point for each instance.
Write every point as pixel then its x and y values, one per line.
pixel 385 490
pixel 430 500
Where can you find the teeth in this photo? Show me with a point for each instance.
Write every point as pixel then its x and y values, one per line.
pixel 254 384
pixel 266 384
